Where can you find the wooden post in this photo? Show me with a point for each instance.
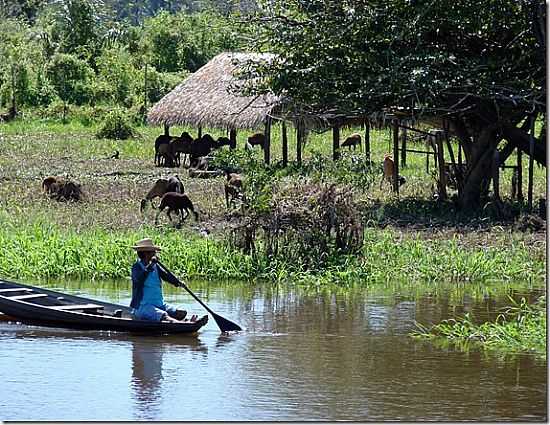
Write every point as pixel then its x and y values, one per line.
pixel 531 162
pixel 299 137
pixel 367 140
pixel 496 176
pixel 457 170
pixel 404 148
pixel 427 160
pixel 460 154
pixel 145 90
pixel 285 144
pixel 519 192
pixel 200 132
pixel 267 142
pixel 396 156
pixel 232 138
pixel 166 129
pixel 441 165
pixel 13 108
pixel 335 143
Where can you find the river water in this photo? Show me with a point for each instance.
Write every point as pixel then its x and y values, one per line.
pixel 305 355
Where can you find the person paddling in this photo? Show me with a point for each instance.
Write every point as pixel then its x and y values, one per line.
pixel 147 300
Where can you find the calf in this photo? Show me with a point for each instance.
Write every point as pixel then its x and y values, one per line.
pixel 161 186
pixel 178 203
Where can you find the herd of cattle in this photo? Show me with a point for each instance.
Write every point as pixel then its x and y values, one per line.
pixel 170 149
pixel 170 190
pixel 168 152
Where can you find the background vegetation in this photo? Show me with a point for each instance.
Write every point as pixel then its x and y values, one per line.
pixel 90 53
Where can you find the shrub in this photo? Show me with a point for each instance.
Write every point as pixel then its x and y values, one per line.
pixel 116 126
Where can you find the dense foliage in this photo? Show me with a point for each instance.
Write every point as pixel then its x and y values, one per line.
pixel 477 65
pixel 81 52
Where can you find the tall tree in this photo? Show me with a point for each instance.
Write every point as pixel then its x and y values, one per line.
pixel 477 64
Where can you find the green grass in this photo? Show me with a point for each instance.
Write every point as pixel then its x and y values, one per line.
pixel 520 328
pixel 44 250
pixel 411 238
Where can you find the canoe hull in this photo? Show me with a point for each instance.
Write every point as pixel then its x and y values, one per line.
pixel 47 315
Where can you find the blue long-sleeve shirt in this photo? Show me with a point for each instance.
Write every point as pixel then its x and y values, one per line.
pixel 139 275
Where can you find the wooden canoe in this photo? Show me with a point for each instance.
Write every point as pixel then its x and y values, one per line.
pixel 38 306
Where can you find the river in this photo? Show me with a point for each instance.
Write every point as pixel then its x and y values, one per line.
pixel 328 354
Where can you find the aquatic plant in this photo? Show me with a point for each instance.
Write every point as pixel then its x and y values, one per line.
pixel 519 328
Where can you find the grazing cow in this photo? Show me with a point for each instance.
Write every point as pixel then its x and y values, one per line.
pixel 162 186
pixel 353 140
pixel 256 139
pixel 178 203
pixel 388 171
pixel 233 187
pixel 166 157
pixel 181 145
pixel 201 147
pixel 62 190
pixel 51 184
pixel 225 141
pixel 160 140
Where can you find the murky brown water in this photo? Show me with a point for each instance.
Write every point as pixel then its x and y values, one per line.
pixel 341 355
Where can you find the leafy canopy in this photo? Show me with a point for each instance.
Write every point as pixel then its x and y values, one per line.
pixel 359 55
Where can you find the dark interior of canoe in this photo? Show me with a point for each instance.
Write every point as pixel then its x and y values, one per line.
pixel 30 304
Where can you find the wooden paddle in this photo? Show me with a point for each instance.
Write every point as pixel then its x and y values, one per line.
pixel 224 324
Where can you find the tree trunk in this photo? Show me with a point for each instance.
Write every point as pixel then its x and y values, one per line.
pixel 478 174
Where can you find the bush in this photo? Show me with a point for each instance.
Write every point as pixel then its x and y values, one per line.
pixel 116 126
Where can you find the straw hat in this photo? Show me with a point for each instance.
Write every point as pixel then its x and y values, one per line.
pixel 146 245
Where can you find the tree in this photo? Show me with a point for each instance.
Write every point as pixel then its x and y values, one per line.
pixel 14 49
pixel 478 65
pixel 70 76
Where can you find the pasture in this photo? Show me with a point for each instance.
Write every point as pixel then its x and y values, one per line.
pixel 31 150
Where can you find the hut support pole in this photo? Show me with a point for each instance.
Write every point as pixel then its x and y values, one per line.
pixel 457 171
pixel 396 156
pixel 232 138
pixel 299 137
pixel 200 132
pixel 519 192
pixel 367 140
pixel 335 143
pixel 496 176
pixel 285 144
pixel 441 164
pixel 404 148
pixel 267 143
pixel 166 130
pixel 531 160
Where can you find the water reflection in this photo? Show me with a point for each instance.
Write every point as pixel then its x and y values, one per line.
pixel 147 370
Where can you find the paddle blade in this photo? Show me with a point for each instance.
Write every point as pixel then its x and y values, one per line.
pixel 224 324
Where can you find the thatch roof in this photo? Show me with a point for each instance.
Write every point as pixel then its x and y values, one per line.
pixel 207 98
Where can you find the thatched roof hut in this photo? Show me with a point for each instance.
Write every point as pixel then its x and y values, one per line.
pixel 207 98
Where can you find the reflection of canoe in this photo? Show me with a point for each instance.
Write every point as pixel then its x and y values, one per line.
pixel 40 306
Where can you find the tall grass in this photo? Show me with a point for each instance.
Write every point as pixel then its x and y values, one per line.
pixel 41 250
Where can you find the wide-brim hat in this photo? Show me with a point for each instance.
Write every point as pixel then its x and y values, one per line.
pixel 146 245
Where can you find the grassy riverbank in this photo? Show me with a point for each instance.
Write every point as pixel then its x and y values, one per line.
pixel 45 250
pixel 410 237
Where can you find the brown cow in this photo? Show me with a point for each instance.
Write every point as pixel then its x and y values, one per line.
pixel 352 140
pixel 387 175
pixel 233 187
